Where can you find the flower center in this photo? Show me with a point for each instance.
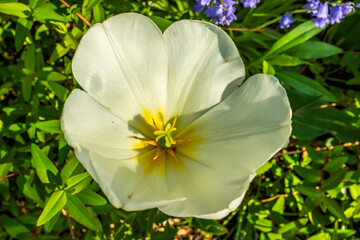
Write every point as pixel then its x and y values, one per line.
pixel 164 141
pixel 164 137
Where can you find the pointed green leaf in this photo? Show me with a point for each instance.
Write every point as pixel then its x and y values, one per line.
pixel 99 15
pixel 22 29
pixel 305 85
pixel 286 60
pixel 72 167
pixel 210 226
pixel 14 228
pixel 6 162
pixel 268 68
pixel 26 86
pixel 336 164
pixel 308 174
pixel 314 49
pixel 46 14
pixel 91 198
pixel 162 23
pixel 43 165
pixel 298 35
pixel 15 9
pixel 334 179
pixel 54 205
pixel 51 126
pixel 309 191
pixel 335 209
pixel 51 76
pixel 80 213
pixel 59 90
pixel 77 183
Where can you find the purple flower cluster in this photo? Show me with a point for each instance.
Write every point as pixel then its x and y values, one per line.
pixel 325 14
pixel 286 20
pixel 250 3
pixel 221 11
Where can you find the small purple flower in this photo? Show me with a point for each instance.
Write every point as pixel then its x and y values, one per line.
pixel 286 20
pixel 200 5
pixel 222 12
pixel 335 14
pixel 357 5
pixel 313 5
pixel 323 10
pixel 347 7
pixel 321 22
pixel 250 3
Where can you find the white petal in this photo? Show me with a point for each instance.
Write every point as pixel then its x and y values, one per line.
pixel 126 183
pixel 122 63
pixel 244 131
pixel 86 123
pixel 209 193
pixel 204 68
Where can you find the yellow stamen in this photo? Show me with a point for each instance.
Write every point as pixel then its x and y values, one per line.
pixel 159 152
pixel 171 153
pixel 166 135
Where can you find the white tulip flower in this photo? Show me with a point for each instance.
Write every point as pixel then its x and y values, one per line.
pixel 167 121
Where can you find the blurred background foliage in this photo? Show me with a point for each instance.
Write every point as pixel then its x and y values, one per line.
pixel 311 190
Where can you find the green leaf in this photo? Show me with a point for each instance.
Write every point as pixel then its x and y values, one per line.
pixel 51 126
pixel 314 155
pixel 334 180
pixel 46 14
pixel 314 49
pixel 300 34
pixel 99 14
pixel 59 51
pixel 268 68
pixel 263 225
pixel 210 226
pixel 6 162
pixel 336 164
pixel 309 191
pixel 26 87
pixel 14 228
pixel 162 23
pixel 353 81
pixel 30 191
pixel 51 76
pixel 30 58
pixel 305 85
pixel 49 225
pixel 80 213
pixel 43 165
pixel 309 174
pixel 22 30
pixel 342 233
pixel 285 60
pixel 320 236
pixel 72 167
pixel 54 205
pixel 335 209
pixel 279 205
pixel 91 4
pixel 59 90
pixel 15 9
pixel 77 183
pixel 291 228
pixel 91 198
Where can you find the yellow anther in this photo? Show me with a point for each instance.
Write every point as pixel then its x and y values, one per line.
pixel 159 152
pixel 171 153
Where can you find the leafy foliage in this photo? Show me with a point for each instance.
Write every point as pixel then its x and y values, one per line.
pixel 312 194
